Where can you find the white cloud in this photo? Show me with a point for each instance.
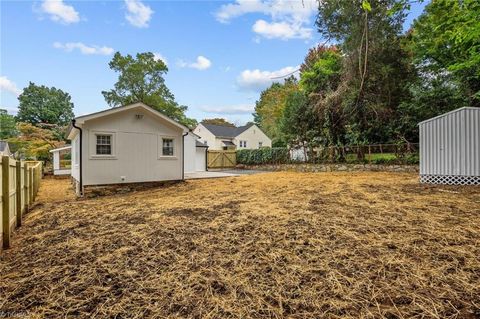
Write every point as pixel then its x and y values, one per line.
pixel 202 63
pixel 281 30
pixel 158 56
pixel 257 80
pixel 290 18
pixel 233 109
pixel 60 12
pixel 84 49
pixel 10 110
pixel 9 86
pixel 138 14
pixel 277 9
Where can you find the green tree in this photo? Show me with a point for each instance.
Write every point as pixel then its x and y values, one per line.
pixel 41 104
pixel 431 94
pixel 446 38
pixel 34 142
pixel 298 124
pixel 376 69
pixel 321 70
pixel 321 78
pixel 218 121
pixel 7 125
pixel 141 79
pixel 269 108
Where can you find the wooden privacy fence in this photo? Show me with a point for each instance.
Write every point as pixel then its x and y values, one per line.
pixel 222 159
pixel 19 187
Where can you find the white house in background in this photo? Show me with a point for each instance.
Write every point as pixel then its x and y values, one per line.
pixel 219 137
pixel 5 149
pixel 60 165
pixel 131 144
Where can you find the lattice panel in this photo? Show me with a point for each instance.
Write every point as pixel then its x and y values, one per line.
pixel 450 179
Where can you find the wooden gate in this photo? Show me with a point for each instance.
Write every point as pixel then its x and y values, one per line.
pixel 222 159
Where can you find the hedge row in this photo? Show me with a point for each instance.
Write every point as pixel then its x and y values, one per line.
pixel 266 155
pixel 280 155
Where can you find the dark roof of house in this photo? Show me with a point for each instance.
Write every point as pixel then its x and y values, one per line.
pixel 226 131
pixel 3 145
pixel 200 144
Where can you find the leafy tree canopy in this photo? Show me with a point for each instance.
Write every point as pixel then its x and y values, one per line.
pixel 7 125
pixel 269 108
pixel 33 142
pixel 218 121
pixel 141 79
pixel 321 70
pixel 297 123
pixel 41 104
pixel 446 38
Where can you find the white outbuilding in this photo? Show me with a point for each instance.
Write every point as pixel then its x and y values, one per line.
pixel 61 160
pixel 131 144
pixel 450 148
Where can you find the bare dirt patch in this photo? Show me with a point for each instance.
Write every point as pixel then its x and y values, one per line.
pixel 276 245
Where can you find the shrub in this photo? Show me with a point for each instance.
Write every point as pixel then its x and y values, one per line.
pixel 266 155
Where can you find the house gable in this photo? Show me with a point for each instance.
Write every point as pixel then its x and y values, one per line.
pixel 253 136
pixel 140 111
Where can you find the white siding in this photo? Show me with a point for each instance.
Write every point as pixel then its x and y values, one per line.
pixel 137 149
pixel 200 159
pixel 207 136
pixel 76 157
pixel 253 135
pixel 450 144
pixel 190 153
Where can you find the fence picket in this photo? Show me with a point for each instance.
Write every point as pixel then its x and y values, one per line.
pixel 6 201
pixel 18 192
pixel 19 186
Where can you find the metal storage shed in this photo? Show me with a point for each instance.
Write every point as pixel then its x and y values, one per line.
pixel 450 148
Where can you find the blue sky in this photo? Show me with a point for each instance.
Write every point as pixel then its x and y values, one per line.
pixel 220 54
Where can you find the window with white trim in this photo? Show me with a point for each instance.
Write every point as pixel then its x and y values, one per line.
pixel 260 144
pixel 103 144
pixel 168 147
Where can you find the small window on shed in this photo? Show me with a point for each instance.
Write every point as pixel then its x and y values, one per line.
pixel 167 147
pixel 104 144
pixel 260 144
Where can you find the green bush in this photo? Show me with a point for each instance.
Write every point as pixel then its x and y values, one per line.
pixel 280 155
pixel 265 155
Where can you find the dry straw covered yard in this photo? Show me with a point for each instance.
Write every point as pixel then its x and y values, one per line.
pixel 275 245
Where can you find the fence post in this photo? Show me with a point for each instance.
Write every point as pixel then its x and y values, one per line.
pixel 18 192
pixel 6 201
pixel 30 186
pixel 369 155
pixel 25 192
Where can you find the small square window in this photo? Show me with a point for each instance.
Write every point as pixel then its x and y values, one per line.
pixel 167 147
pixel 260 144
pixel 104 145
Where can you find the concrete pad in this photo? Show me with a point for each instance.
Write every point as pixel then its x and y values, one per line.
pixel 209 174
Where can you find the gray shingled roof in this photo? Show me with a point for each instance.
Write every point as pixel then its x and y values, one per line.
pixel 3 144
pixel 226 131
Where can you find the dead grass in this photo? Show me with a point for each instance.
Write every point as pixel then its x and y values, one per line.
pixel 278 245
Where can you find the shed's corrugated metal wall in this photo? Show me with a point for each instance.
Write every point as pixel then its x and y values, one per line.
pixel 450 144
